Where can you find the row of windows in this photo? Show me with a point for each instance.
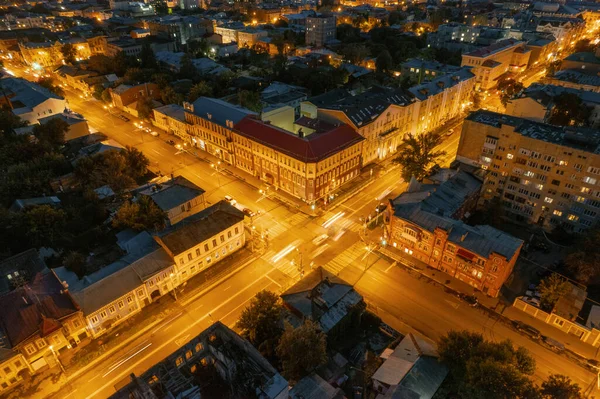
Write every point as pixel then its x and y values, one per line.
pixel 206 245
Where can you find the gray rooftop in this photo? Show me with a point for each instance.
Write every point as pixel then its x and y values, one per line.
pixel 363 108
pixel 431 207
pixel 174 111
pixel 27 93
pixel 574 137
pixel 219 111
pixel 544 94
pixel 314 387
pixel 98 289
pixel 322 297
pixel 27 263
pixel 575 76
pixel 436 86
pixel 173 193
pixel 199 227
pixel 21 204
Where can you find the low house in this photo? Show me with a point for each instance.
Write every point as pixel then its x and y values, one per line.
pixel 411 370
pixel 171 119
pixel 125 97
pixel 77 124
pixel 40 319
pixel 30 101
pixel 240 367
pixel 577 79
pixel 325 299
pixel 22 204
pixel 178 197
pixel 314 387
pixel 586 61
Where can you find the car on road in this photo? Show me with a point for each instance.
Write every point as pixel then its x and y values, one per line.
pixel 153 133
pixel 381 207
pixel 553 344
pixel 528 330
pixel 320 239
pixel 230 199
pixel 126 119
pixel 248 212
pixel 170 142
pixel 449 132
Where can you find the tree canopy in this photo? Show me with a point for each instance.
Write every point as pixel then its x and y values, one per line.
pixel 302 350
pixel 484 369
pixel 418 155
pixel 140 215
pixel 261 322
pixel 569 110
pixel 551 289
pixel 560 387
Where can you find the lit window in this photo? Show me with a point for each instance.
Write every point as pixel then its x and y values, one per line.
pixel 573 217
pixel 509 156
pixel 548 200
pixel 557 212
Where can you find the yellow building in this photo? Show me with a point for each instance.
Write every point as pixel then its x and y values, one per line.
pixel 492 62
pixel 541 173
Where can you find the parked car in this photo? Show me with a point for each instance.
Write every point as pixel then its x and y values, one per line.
pixel 320 239
pixel 533 294
pixel 230 199
pixel 170 142
pixel 470 299
pixel 153 133
pixel 531 301
pixel 553 344
pixel 449 132
pixel 248 212
pixel 528 330
pixel 381 207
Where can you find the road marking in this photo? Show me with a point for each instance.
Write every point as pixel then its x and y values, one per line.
pixel 199 306
pixel 392 265
pixel 119 364
pixel 69 394
pixel 274 282
pixel 226 288
pixel 158 152
pixel 164 344
pixel 452 303
pixel 181 341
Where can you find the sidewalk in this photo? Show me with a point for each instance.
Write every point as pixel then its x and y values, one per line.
pixel 496 306
pixel 52 381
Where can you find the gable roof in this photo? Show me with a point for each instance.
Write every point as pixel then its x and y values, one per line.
pixel 311 148
pixel 219 111
pixel 200 227
pixel 28 262
pixel 173 193
pixel 37 307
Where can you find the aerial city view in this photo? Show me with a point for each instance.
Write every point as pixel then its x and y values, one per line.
pixel 299 199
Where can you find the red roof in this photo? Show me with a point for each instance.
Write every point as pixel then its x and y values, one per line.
pixel 312 148
pixel 35 308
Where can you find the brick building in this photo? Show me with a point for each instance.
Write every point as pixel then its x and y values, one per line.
pixel 424 223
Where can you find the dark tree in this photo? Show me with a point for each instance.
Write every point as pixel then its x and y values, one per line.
pixel 75 262
pixel 144 107
pixel 261 322
pixel 101 64
pixel 48 83
pixel 560 387
pixel 187 70
pixel 170 96
pixel 200 89
pixel 250 100
pixel 551 289
pixel 137 163
pixel 52 132
pixel 143 214
pixel 302 350
pixel 418 155
pixel 509 88
pixel 569 110
pixel 68 52
pixel 147 57
pixel 384 61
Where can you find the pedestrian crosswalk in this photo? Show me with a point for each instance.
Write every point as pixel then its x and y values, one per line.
pixel 353 255
pixel 284 265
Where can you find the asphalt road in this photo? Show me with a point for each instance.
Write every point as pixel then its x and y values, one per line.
pixel 424 307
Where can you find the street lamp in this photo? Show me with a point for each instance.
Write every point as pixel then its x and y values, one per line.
pixel 172 276
pixel 57 359
pixel 218 171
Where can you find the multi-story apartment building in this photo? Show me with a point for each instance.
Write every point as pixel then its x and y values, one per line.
pixel 309 164
pixel 320 30
pixel 424 71
pixel 453 32
pixel 49 54
pixel 424 223
pixel 233 359
pixel 566 30
pixel 541 173
pixel 382 116
pixel 491 62
pixel 124 95
pixel 441 99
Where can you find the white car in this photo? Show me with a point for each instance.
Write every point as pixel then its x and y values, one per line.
pixel 153 133
pixel 230 199
pixel 532 301
pixel 320 239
